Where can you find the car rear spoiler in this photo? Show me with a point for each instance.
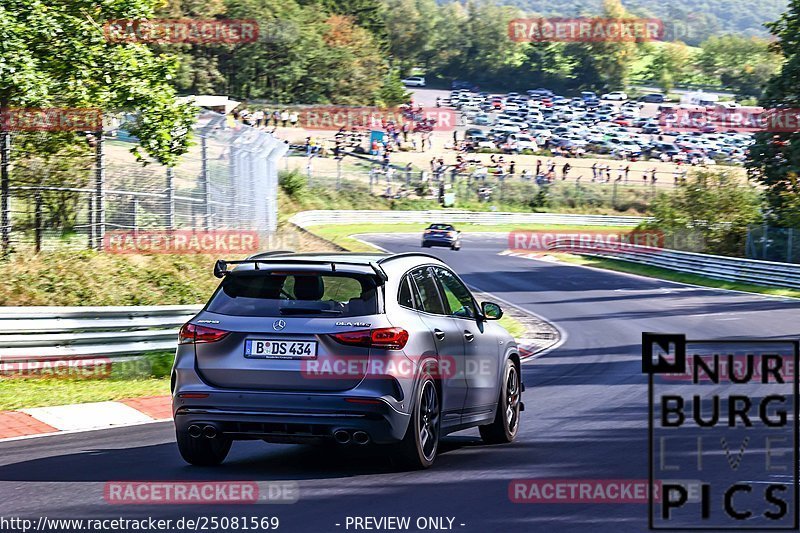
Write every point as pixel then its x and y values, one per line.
pixel 221 266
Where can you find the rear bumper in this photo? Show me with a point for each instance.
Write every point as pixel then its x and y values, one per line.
pixel 375 407
pixel 382 423
pixel 440 241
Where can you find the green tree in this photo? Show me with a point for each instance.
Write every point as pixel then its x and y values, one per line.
pixel 671 63
pixel 743 63
pixel 711 211
pixel 774 157
pixel 604 65
pixel 410 26
pixel 55 53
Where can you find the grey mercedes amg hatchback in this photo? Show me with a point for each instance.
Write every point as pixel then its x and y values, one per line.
pixel 353 349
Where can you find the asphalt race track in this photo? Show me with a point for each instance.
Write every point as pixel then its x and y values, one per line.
pixel 586 418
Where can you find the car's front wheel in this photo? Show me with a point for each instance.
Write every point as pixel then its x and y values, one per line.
pixel 202 451
pixel 418 448
pixel 506 420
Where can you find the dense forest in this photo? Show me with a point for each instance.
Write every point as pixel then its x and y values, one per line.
pixel 355 51
pixel 691 21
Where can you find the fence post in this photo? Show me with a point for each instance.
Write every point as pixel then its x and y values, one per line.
pixel 37 222
pixel 5 163
pixel 765 244
pixel 170 198
pixel 90 220
pixel 100 195
pixel 338 173
pixel 206 186
pixel 135 223
pixel 789 246
pixel 614 195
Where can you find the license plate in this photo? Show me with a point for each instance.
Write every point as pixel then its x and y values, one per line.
pixel 280 349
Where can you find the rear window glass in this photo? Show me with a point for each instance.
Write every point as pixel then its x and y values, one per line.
pixel 308 294
pixel 446 227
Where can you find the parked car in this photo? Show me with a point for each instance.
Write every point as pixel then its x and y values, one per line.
pixel 414 81
pixel 481 118
pixel 461 84
pixel 615 95
pixel 521 141
pixel 653 98
pixel 278 354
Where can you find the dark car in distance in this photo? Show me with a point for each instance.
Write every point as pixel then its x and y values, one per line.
pixel 441 235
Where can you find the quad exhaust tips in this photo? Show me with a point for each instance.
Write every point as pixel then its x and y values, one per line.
pixel 208 431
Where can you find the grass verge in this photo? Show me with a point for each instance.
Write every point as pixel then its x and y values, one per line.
pixel 146 375
pixel 671 275
pixel 342 234
pixel 22 393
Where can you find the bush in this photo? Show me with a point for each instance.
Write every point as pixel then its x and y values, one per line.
pixel 711 212
pixel 292 182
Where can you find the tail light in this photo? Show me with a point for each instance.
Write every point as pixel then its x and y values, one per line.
pixel 387 338
pixel 451 233
pixel 194 334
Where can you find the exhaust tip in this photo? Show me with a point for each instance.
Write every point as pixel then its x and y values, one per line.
pixel 209 432
pixel 360 437
pixel 341 436
pixel 195 431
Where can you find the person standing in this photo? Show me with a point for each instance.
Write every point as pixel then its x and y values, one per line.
pixel 565 171
pixel 293 118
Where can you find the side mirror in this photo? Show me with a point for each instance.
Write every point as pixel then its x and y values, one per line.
pixel 491 311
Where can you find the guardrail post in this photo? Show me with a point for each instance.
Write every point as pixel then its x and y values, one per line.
pixel 338 173
pixel 37 222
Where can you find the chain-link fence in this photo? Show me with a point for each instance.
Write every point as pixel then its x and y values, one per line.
pixel 451 187
pixel 773 244
pixel 76 198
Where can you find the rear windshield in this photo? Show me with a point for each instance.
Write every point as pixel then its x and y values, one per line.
pixel 446 227
pixel 262 293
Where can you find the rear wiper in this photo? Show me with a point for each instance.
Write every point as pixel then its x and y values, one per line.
pixel 307 311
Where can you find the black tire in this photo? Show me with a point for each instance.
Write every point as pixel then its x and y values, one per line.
pixel 416 451
pixel 202 451
pixel 456 247
pixel 505 426
pixel 426 245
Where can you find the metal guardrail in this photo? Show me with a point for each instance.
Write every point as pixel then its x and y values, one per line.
pixel 315 218
pixel 711 266
pixel 56 333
